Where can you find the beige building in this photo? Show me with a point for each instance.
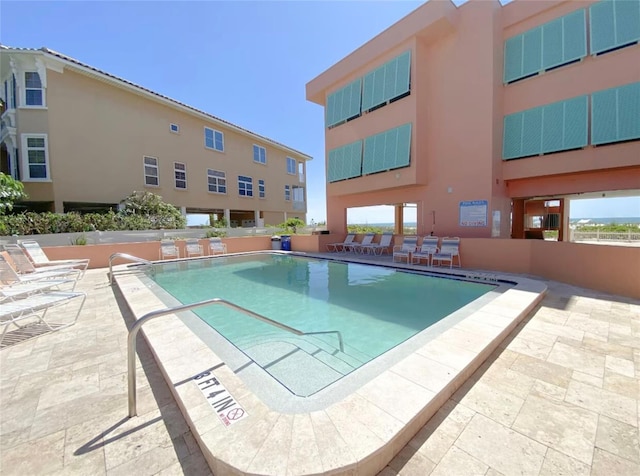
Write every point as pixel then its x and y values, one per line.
pixel 81 139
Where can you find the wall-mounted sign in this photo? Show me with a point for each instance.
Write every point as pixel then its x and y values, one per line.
pixel 495 226
pixel 474 213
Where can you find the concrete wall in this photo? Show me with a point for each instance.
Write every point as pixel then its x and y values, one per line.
pixel 612 269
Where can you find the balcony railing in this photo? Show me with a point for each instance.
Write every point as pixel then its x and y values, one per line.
pixel 300 206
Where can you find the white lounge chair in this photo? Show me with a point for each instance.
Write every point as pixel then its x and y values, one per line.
pixel 404 251
pixel 448 252
pixel 24 267
pixel 341 246
pixel 216 246
pixel 20 290
pixel 168 250
pixel 36 306
pixel 9 276
pixel 383 246
pixel 362 247
pixel 193 247
pixel 428 248
pixel 39 258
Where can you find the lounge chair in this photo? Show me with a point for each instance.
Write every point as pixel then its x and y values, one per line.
pixel 39 258
pixel 383 246
pixel 217 247
pixel 341 246
pixel 21 290
pixel 361 247
pixel 168 250
pixel 428 248
pixel 9 276
pixel 406 249
pixel 36 306
pixel 448 252
pixel 193 247
pixel 24 266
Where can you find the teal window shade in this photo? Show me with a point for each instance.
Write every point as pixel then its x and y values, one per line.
pixel 388 150
pixel 345 162
pixel 344 104
pixel 615 114
pixel 548 46
pixel 546 129
pixel 387 82
pixel 613 23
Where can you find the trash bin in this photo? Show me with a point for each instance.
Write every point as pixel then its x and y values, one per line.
pixel 286 242
pixel 275 242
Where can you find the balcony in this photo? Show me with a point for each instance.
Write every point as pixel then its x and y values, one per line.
pixel 299 205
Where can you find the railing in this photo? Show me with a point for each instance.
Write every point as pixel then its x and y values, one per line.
pixel 606 236
pixel 131 340
pixel 127 257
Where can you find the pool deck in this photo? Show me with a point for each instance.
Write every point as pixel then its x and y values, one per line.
pixel 561 394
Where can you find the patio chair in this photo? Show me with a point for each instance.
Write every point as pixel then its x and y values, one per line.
pixel 36 306
pixel 24 266
pixel 361 247
pixel 404 251
pixel 193 247
pixel 168 250
pixel 383 246
pixel 428 248
pixel 216 246
pixel 9 276
pixel 340 246
pixel 39 258
pixel 20 290
pixel 448 252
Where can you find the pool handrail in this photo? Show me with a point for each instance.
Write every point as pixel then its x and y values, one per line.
pixel 131 339
pixel 127 257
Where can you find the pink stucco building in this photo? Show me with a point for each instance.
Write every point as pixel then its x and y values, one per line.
pixel 489 118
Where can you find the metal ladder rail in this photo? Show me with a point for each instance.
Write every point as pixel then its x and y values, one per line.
pixel 131 339
pixel 127 257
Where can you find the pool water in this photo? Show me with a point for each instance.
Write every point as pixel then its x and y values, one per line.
pixel 374 308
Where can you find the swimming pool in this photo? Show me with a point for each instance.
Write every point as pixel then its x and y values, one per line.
pixel 365 310
pixel 354 425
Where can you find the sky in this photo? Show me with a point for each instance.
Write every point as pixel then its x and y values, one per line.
pixel 246 62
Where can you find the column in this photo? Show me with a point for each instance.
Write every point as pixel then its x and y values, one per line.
pixel 398 228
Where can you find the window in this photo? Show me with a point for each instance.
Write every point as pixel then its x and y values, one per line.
pixel 261 189
pixel 259 154
pixel 387 150
pixel 151 176
pixel 33 89
pixel 387 82
pixel 345 162
pixel 245 186
pixel 287 193
pixel 180 174
pixel 10 92
pixel 613 24
pixel 217 181
pixel 36 166
pixel 615 114
pixel 298 194
pixel 291 166
pixel 551 45
pixel 213 139
pixel 344 104
pixel 174 128
pixel 542 130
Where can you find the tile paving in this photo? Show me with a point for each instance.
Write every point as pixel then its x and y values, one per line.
pixel 560 396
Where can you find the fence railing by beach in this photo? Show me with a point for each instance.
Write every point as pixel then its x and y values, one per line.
pixel 606 236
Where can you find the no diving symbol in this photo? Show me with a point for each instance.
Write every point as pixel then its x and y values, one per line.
pixel 235 414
